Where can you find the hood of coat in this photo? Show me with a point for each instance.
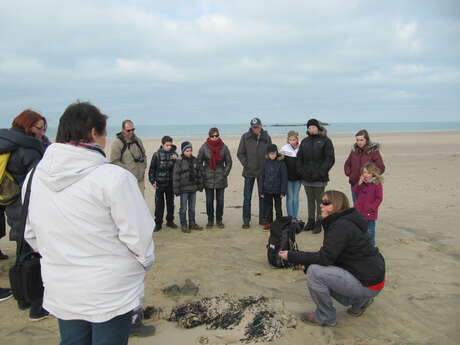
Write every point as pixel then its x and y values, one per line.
pixel 11 139
pixel 64 164
pixel 322 132
pixel 370 147
pixel 263 135
pixel 351 215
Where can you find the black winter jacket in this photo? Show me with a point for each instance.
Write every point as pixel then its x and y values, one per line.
pixel 162 167
pixel 215 178
pixel 188 175
pixel 273 178
pixel 26 152
pixel 346 244
pixel 251 152
pixel 315 158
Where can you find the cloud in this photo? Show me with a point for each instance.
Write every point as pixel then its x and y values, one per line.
pixel 178 60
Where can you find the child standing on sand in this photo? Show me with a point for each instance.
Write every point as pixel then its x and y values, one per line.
pixel 369 193
pixel 187 180
pixel 273 185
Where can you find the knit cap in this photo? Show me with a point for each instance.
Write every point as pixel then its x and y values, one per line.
pixel 185 146
pixel 272 148
pixel 313 122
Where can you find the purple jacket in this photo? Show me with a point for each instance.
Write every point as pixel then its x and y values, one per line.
pixel 358 158
pixel 369 198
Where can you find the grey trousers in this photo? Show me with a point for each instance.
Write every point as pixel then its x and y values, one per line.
pixel 314 195
pixel 325 282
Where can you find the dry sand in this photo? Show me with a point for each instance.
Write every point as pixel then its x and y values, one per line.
pixel 417 232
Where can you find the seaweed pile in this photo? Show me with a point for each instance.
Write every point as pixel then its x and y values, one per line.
pixel 260 321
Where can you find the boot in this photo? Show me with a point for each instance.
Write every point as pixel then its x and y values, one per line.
pixel 185 229
pixel 157 227
pixel 220 225
pixel 171 225
pixel 195 227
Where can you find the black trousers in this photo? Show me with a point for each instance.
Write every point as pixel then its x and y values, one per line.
pixel 2 222
pixel 160 195
pixel 269 199
pixel 218 195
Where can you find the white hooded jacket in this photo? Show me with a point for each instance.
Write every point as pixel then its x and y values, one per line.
pixel 93 229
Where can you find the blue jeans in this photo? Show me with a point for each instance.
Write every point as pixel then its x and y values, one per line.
pixel 292 198
pixel 248 187
pixel 371 230
pixel 187 201
pixel 219 196
pixel 353 195
pixel 80 332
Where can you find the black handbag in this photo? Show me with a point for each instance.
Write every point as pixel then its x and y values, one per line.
pixel 25 276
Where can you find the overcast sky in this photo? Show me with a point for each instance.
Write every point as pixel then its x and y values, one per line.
pixel 192 61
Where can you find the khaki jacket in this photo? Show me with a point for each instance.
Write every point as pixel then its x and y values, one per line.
pixel 133 160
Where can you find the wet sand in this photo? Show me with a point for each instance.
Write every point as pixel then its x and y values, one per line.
pixel 417 232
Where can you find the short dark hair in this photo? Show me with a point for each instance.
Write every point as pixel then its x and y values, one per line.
pixel 212 131
pixel 125 122
pixel 78 120
pixel 165 139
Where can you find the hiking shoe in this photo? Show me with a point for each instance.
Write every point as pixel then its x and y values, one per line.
pixel 37 315
pixel 267 227
pixel 360 311
pixel 310 225
pixel 172 225
pixel 195 227
pixel 245 226
pixel 3 256
pixel 157 227
pixel 209 225
pixel 5 294
pixel 185 228
pixel 310 318
pixel 140 330
pixel 318 227
pixel 220 225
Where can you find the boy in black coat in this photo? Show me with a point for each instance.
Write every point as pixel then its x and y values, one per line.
pixel 273 185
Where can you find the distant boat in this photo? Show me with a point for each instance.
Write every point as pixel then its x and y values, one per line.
pixel 295 124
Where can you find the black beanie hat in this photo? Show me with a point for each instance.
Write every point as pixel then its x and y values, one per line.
pixel 313 122
pixel 185 145
pixel 272 148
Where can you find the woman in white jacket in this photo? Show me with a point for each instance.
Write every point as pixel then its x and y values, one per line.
pixel 93 229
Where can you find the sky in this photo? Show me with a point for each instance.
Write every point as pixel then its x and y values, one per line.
pixel 222 61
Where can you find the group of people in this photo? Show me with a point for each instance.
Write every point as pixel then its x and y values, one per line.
pixel 94 231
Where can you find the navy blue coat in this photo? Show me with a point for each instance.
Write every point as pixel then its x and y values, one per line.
pixel 273 178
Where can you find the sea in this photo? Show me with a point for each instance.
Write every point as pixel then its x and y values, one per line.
pixel 199 131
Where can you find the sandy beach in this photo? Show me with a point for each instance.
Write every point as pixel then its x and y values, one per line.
pixel 417 233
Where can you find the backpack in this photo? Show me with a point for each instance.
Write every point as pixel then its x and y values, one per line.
pixel 282 237
pixel 9 188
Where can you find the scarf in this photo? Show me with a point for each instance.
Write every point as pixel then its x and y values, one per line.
pixel 215 146
pixel 89 145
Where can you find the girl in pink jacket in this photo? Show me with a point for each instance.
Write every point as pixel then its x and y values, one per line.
pixel 369 192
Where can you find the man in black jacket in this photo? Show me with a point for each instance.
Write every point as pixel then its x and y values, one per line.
pixel 314 160
pixel 251 154
pixel 347 267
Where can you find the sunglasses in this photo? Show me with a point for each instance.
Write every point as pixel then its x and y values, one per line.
pixel 130 130
pixel 215 136
pixel 326 202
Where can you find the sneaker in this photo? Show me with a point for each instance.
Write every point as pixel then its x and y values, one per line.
pixel 360 311
pixel 310 225
pixel 140 330
pixel 37 315
pixel 3 256
pixel 245 226
pixel 171 225
pixel 185 229
pixel 220 225
pixel 5 294
pixel 310 318
pixel 157 228
pixel 195 227
pixel 209 225
pixel 267 227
